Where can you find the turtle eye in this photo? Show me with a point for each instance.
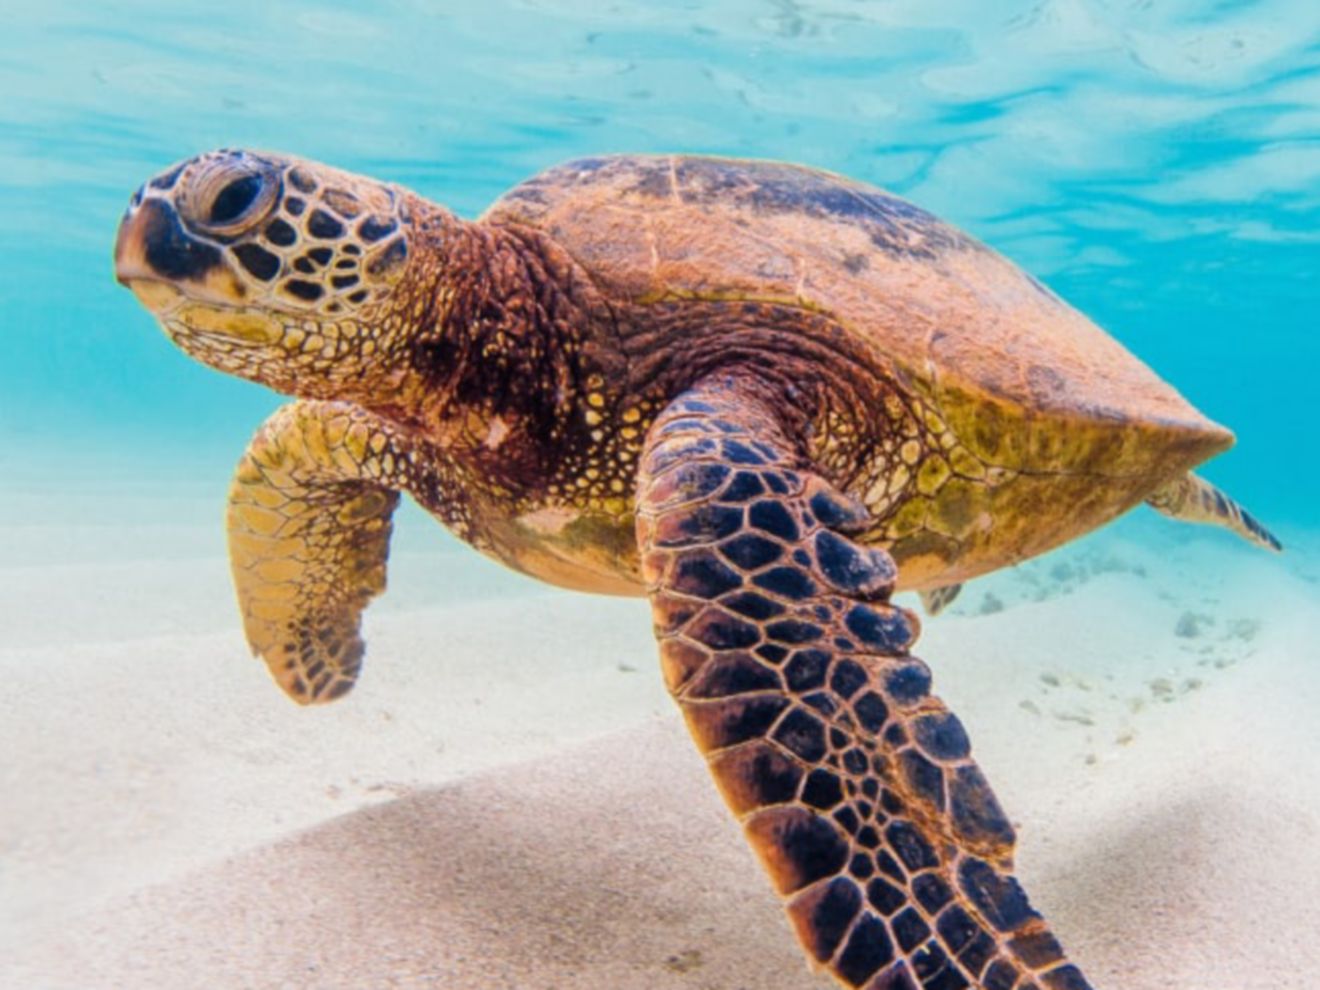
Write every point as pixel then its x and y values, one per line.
pixel 231 196
pixel 235 199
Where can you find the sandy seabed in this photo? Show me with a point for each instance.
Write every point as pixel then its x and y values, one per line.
pixel 508 799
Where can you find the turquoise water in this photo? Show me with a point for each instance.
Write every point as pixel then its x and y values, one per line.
pixel 1156 164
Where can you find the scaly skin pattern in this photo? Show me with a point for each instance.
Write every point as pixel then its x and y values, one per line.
pixel 855 786
pixel 308 538
pixel 312 300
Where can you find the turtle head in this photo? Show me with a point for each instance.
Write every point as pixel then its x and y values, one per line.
pixel 280 270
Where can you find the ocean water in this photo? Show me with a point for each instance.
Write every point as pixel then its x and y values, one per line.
pixel 1155 163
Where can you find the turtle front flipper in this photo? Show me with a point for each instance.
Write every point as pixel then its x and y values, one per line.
pixel 309 529
pixel 855 785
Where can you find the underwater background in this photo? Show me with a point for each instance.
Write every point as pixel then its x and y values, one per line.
pixel 1155 162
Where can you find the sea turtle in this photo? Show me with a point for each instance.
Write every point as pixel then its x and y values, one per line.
pixel 764 395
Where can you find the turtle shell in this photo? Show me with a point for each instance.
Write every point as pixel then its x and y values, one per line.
pixel 1011 366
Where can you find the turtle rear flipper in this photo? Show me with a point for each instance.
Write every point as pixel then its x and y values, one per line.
pixel 936 600
pixel 1193 499
pixel 855 786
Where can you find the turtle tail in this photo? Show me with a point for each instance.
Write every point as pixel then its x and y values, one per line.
pixel 1193 499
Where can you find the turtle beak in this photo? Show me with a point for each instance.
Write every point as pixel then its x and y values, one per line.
pixel 130 256
pixel 162 262
pixel 132 270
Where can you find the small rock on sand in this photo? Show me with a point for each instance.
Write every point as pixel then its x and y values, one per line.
pixel 1189 626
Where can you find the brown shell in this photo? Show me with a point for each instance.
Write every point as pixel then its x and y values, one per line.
pixel 985 339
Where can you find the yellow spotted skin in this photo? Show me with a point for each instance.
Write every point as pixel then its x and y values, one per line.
pixel 764 396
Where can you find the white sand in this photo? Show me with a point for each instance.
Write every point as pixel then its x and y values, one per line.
pixel 508 800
